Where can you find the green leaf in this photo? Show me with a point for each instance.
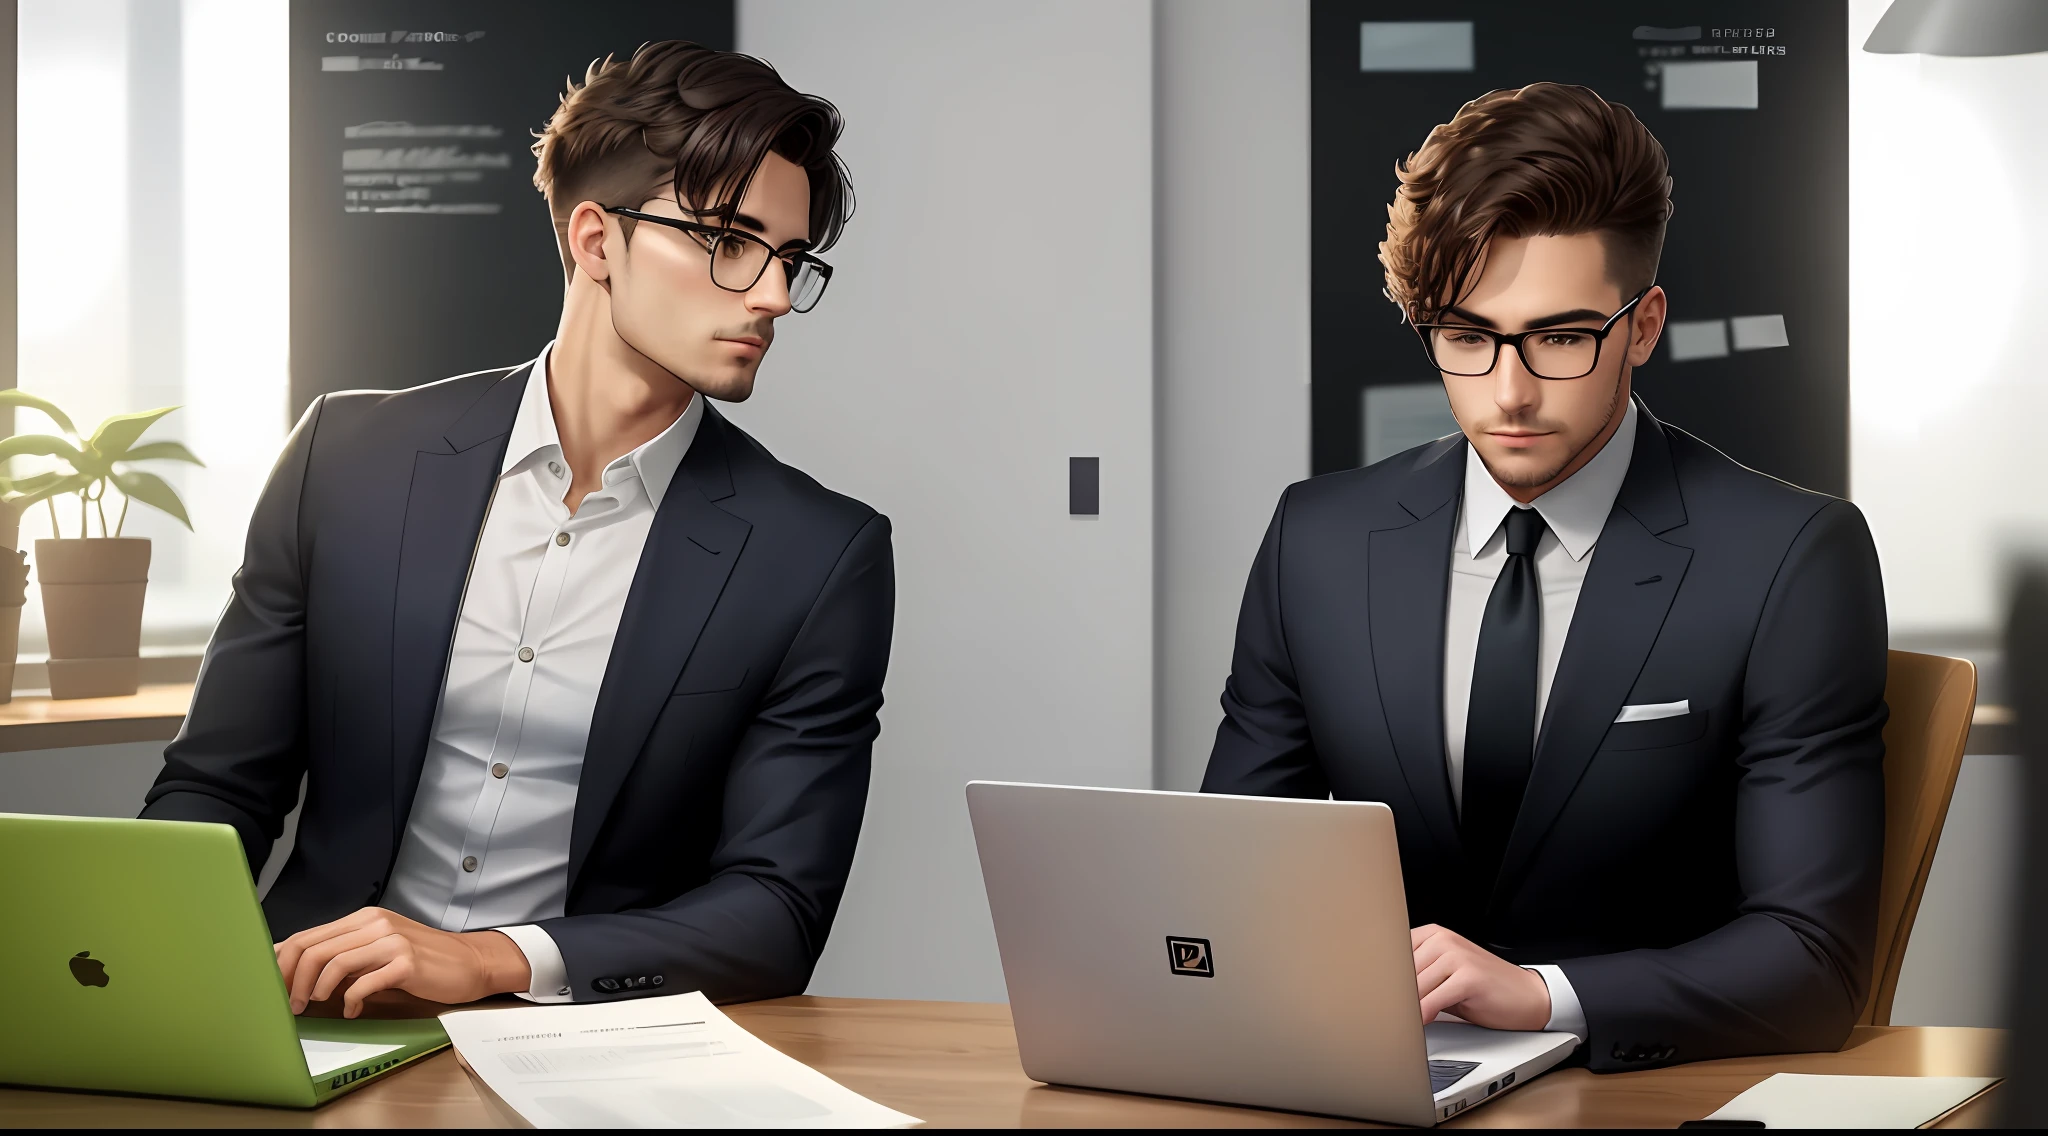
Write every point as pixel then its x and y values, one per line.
pixel 161 451
pixel 116 434
pixel 35 482
pixel 153 491
pixel 40 445
pixel 23 398
pixel 64 483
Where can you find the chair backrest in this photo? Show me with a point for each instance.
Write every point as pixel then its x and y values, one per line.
pixel 1932 700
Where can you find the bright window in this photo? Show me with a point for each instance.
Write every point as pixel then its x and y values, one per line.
pixel 153 268
pixel 1948 228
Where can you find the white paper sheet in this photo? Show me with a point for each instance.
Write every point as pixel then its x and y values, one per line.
pixel 324 1057
pixel 1812 1100
pixel 672 1062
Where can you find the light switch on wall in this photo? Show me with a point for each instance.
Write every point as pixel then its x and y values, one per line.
pixel 1084 487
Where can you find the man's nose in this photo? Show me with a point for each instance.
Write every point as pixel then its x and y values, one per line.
pixel 1515 389
pixel 770 294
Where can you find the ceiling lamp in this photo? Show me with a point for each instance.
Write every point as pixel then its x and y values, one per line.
pixel 1961 27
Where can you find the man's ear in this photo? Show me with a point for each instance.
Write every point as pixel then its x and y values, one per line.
pixel 1649 325
pixel 588 234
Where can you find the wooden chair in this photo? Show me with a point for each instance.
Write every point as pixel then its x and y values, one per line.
pixel 1932 700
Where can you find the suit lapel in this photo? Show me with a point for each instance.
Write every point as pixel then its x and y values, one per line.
pixel 690 551
pixel 1628 591
pixel 1407 584
pixel 444 514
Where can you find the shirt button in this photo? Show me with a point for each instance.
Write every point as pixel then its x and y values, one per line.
pixel 500 769
pixel 469 863
pixel 561 538
pixel 555 468
pixel 525 654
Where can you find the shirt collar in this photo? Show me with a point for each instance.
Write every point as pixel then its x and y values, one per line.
pixel 654 461
pixel 1576 509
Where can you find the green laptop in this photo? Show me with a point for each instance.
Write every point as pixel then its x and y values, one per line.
pixel 134 958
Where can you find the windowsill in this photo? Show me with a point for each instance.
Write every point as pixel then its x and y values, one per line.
pixel 159 665
pixel 154 713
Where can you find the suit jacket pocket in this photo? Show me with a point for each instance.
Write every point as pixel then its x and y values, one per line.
pixel 710 679
pixel 1657 733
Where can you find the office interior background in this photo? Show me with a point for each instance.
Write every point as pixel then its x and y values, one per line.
pixel 1086 228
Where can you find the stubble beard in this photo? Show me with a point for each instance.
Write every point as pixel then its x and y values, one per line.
pixel 1534 480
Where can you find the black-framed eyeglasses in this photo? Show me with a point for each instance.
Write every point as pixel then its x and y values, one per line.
pixel 739 258
pixel 1548 352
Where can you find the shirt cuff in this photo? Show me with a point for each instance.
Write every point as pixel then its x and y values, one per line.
pixel 544 958
pixel 1566 1015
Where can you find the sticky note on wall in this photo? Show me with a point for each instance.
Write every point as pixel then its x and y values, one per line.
pixel 1754 333
pixel 1696 339
pixel 1415 45
pixel 1709 84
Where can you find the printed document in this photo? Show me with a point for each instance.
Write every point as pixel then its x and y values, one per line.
pixel 673 1062
pixel 1813 1100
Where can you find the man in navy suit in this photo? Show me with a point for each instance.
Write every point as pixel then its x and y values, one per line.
pixel 581 681
pixel 1624 696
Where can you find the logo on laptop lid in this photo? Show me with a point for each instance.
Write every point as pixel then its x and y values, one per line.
pixel 1190 956
pixel 88 970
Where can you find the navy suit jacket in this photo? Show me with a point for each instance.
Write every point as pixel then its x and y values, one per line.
pixel 1707 882
pixel 727 764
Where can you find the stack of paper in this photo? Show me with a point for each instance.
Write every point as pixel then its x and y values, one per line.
pixel 673 1062
pixel 1811 1100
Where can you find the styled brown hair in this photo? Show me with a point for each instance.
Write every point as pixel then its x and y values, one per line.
pixel 695 119
pixel 1545 160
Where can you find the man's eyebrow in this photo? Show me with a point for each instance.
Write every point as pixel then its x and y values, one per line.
pixel 1572 316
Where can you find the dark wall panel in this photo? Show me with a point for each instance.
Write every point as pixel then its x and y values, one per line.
pixel 420 248
pixel 1761 227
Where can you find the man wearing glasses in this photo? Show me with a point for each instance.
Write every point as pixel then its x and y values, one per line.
pixel 582 681
pixel 1624 696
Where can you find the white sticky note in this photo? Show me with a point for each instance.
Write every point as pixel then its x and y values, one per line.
pixel 1402 416
pixel 1709 84
pixel 1696 339
pixel 1415 45
pixel 1754 333
pixel 1813 1100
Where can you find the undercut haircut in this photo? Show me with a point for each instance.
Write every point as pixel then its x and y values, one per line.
pixel 1545 160
pixel 692 121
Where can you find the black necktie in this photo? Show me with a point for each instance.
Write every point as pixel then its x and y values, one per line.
pixel 1500 728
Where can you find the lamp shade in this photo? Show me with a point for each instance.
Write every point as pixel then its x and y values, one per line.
pixel 1961 27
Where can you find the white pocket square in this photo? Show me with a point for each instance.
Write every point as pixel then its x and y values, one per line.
pixel 1651 711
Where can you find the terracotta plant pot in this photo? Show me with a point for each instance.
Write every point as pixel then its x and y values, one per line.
pixel 92 602
pixel 13 594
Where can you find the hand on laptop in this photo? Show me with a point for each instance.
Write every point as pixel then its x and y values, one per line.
pixel 382 950
pixel 1452 973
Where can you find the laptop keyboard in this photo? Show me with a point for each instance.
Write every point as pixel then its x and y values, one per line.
pixel 1444 1074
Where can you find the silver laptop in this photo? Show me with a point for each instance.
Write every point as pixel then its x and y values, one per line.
pixel 1249 950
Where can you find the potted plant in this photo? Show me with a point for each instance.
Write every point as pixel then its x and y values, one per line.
pixel 92 586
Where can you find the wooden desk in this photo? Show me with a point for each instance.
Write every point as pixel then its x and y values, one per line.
pixel 954 1064
pixel 153 713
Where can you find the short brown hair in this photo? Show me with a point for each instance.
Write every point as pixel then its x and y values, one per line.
pixel 695 119
pixel 1545 160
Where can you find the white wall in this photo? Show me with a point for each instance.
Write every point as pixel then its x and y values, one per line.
pixel 991 317
pixel 1233 298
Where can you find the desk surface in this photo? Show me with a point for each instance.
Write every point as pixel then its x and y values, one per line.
pixel 954 1064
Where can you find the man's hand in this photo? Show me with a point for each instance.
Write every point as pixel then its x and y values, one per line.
pixel 382 950
pixel 1453 974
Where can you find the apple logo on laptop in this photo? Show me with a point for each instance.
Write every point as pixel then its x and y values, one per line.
pixel 87 970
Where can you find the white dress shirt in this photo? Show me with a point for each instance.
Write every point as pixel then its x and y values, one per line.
pixel 1574 513
pixel 487 845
